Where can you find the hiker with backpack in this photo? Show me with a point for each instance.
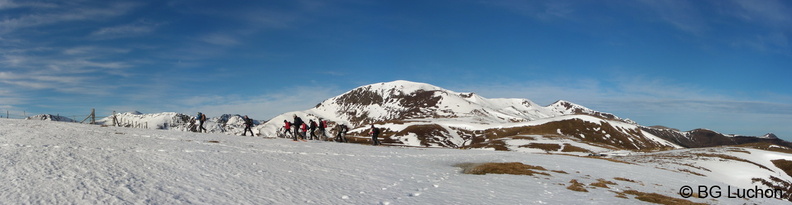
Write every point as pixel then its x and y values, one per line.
pixel 248 125
pixel 313 129
pixel 297 123
pixel 322 126
pixel 303 130
pixel 341 130
pixel 201 119
pixel 286 127
pixel 374 133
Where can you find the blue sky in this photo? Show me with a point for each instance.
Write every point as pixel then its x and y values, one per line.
pixel 720 64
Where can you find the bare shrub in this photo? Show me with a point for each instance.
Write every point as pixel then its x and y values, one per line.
pixel 576 186
pixel 602 183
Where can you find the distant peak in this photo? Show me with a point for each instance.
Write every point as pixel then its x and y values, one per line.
pixel 770 136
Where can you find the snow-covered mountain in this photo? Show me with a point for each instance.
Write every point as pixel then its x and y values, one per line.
pixel 227 123
pixel 48 117
pixel 419 114
pixel 709 138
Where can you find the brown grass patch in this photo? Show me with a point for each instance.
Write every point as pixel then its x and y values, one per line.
pixel 734 149
pixel 542 146
pixel 620 195
pixel 602 133
pixel 692 172
pixel 783 164
pixel 624 179
pixel 576 186
pixel 777 183
pixel 602 183
pixel 571 148
pixel 767 146
pixel 213 141
pixel 659 198
pixel 609 159
pixel 523 138
pixel 729 157
pixel 514 168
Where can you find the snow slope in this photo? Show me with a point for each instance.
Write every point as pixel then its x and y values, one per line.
pixel 68 163
pixel 227 123
pixel 48 117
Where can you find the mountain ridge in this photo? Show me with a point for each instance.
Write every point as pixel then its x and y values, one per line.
pixel 421 114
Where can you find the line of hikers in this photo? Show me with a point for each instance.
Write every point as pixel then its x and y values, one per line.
pixel 301 128
pixel 247 121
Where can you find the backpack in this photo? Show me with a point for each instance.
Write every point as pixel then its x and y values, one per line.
pixel 203 117
pixel 298 121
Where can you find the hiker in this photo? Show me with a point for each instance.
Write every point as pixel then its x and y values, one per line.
pixel 374 133
pixel 297 123
pixel 286 127
pixel 248 124
pixel 303 130
pixel 313 129
pixel 322 126
pixel 341 132
pixel 201 119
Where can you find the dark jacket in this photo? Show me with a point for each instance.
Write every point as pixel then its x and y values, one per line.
pixel 297 121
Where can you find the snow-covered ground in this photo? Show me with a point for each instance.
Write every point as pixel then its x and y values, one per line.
pixel 68 163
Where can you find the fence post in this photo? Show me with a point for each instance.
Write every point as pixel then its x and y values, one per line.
pixel 92 117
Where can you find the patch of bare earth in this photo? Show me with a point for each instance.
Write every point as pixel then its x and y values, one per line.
pixel 576 186
pixel 659 198
pixel 514 168
pixel 602 183
pixel 543 146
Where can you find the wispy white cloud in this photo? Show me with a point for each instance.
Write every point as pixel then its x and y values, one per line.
pixel 768 12
pixel 9 4
pixel 124 31
pixel 540 10
pixel 683 15
pixel 64 13
pixel 219 39
pixel 93 50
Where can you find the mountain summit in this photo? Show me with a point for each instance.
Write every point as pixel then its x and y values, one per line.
pixel 420 114
pixel 402 100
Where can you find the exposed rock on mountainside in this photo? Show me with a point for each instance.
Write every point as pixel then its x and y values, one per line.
pixel 48 117
pixel 708 138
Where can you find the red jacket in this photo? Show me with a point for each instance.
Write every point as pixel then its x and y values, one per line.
pixel 304 128
pixel 287 126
